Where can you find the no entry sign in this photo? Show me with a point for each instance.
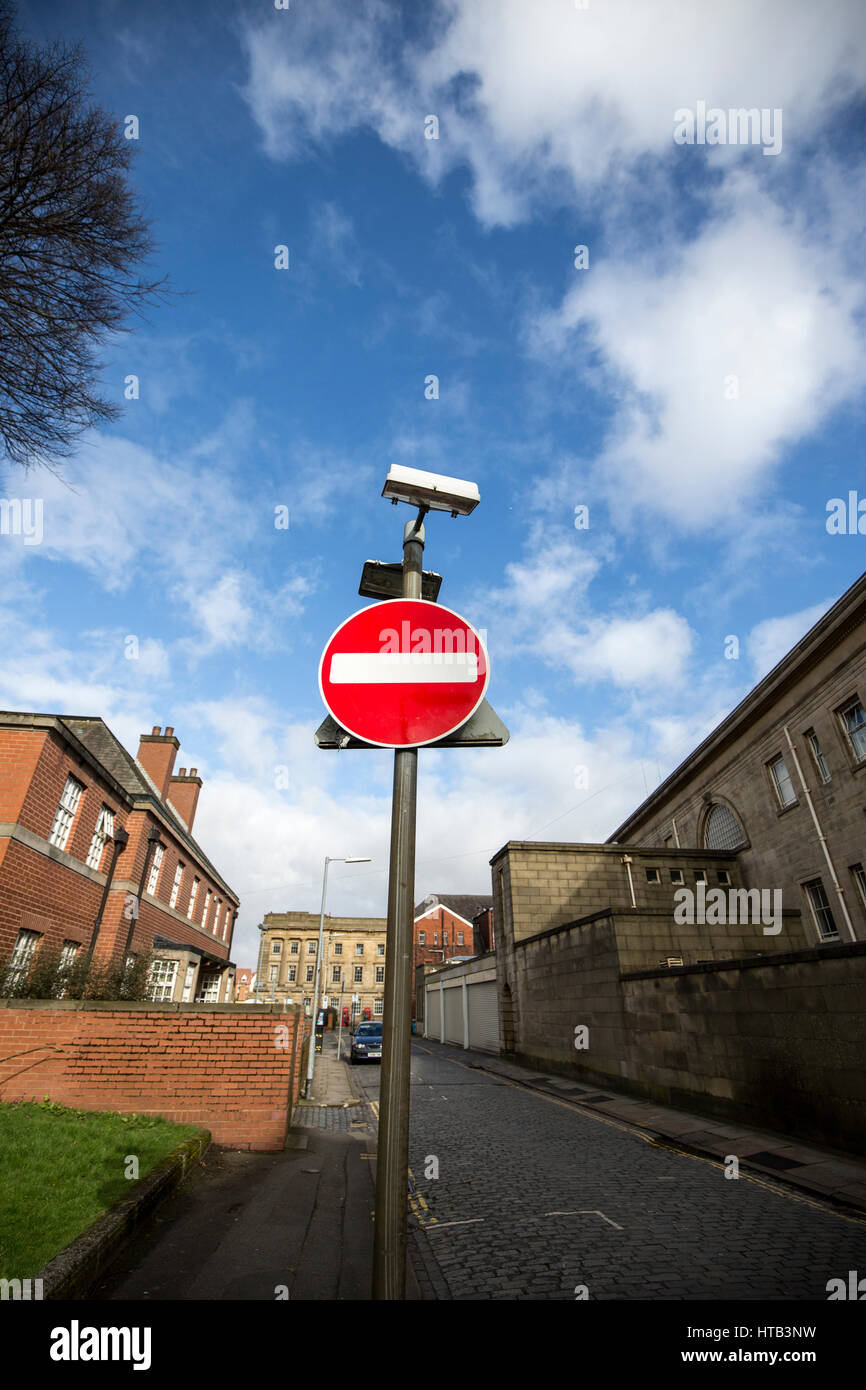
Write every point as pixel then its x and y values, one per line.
pixel 403 673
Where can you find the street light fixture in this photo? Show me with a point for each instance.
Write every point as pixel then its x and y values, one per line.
pixel 311 1055
pixel 433 492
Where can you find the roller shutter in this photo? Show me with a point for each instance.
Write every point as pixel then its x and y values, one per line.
pixel 454 1015
pixel 483 1017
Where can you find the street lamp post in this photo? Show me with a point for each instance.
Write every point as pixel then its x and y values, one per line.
pixel 311 1055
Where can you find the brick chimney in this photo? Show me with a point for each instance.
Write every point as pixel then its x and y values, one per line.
pixel 183 793
pixel 156 754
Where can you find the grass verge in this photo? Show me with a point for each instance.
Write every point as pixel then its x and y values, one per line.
pixel 61 1169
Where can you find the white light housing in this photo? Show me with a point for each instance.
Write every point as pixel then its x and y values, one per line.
pixel 431 490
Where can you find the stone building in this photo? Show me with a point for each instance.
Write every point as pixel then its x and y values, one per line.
pixel 97 854
pixel 353 962
pixel 713 950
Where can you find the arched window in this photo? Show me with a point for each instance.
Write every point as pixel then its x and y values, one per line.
pixel 722 830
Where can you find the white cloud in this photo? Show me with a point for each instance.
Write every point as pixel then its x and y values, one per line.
pixel 528 93
pixel 544 609
pixel 334 242
pixel 133 520
pixel 772 639
pixel 742 345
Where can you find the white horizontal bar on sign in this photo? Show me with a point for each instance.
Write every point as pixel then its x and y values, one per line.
pixel 403 668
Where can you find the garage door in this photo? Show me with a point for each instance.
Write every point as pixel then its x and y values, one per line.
pixel 432 1015
pixel 483 1017
pixel 454 1015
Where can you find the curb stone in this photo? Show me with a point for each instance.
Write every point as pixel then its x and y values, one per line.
pixel 73 1272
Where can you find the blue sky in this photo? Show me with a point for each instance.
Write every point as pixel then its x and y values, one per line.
pixel 699 386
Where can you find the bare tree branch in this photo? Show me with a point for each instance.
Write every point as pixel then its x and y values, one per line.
pixel 72 234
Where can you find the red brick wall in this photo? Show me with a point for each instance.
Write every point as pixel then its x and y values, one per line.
pixel 42 896
pixel 19 754
pixel 219 1066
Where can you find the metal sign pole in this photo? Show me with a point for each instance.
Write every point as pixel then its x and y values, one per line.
pixel 392 1155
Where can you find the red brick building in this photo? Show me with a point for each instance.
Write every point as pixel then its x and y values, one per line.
pixel 245 979
pixel 97 854
pixel 445 928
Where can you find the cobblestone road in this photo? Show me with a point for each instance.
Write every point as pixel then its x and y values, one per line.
pixel 536 1200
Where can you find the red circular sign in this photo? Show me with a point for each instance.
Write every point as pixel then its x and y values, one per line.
pixel 403 673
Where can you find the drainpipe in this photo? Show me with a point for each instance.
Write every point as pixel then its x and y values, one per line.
pixel 121 840
pixel 627 860
pixel 676 832
pixel 840 892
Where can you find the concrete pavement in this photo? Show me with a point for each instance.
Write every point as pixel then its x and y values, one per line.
pixel 254 1226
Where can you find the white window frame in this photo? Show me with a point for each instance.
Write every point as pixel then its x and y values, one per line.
pixel 163 976
pixel 378 1008
pixel 336 974
pixel 22 954
pixel 64 816
pixel 273 973
pixel 207 897
pixel 156 865
pixel 653 876
pixel 311 974
pixel 104 831
pixel 294 948
pixel 193 894
pixel 818 757
pixel 311 948
pixel 380 974
pixel 68 955
pixel 209 987
pixel 359 975
pixel 859 729
pixel 293 974
pixel 781 781
pixel 422 938
pixel 816 908
pixel 68 952
pixel 676 876
pixel 359 948
pixel 338 948
pixel 380 949
pixel 175 887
